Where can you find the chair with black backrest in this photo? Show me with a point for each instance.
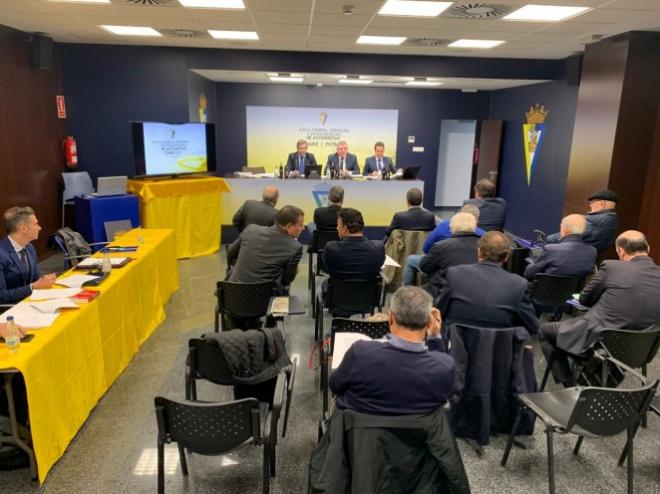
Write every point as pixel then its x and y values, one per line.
pixel 240 305
pixel 213 429
pixel 75 184
pixel 206 361
pixel 552 291
pixel 589 412
pixel 73 246
pixel 346 298
pixel 373 329
pixel 319 239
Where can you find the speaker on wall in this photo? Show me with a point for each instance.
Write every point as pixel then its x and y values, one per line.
pixel 41 52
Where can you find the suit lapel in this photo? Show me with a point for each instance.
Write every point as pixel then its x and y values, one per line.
pixel 14 257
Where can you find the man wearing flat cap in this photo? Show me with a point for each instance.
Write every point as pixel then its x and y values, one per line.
pixel 602 222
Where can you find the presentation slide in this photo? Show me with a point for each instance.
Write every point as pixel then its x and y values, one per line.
pixel 174 148
pixel 272 132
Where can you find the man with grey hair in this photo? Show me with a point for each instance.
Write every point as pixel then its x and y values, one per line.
pixel 570 257
pixel 299 160
pixel 342 162
pixel 408 373
pixel 460 248
pixel 19 271
pixel 254 212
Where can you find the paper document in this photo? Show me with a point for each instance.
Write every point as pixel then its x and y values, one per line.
pixel 97 262
pixel 75 281
pixel 52 306
pixel 343 342
pixel 390 262
pixel 280 306
pixel 29 317
pixel 53 293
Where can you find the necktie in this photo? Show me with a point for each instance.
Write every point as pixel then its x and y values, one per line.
pixel 380 167
pixel 24 259
pixel 302 164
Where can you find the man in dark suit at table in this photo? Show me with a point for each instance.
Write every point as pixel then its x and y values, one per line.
pixel 299 160
pixel 19 272
pixel 258 212
pixel 492 210
pixel 376 164
pixel 624 294
pixel 264 253
pixel 414 218
pixel 342 162
pixel 486 295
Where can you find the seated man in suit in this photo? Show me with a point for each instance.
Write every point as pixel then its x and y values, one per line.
pixel 492 210
pixel 408 373
pixel 353 257
pixel 624 294
pixel 325 217
pixel 460 248
pixel 602 222
pixel 258 212
pixel 299 160
pixel 414 218
pixel 19 272
pixel 570 257
pixel 342 162
pixel 442 231
pixel 376 164
pixel 486 295
pixel 269 253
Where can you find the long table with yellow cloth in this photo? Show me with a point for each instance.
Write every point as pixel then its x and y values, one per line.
pixel 190 206
pixel 377 200
pixel 68 366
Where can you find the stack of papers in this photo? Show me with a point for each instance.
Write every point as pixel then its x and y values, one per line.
pixel 344 341
pixel 53 293
pixel 75 281
pixel 97 262
pixel 390 262
pixel 29 317
pixel 54 305
pixel 280 306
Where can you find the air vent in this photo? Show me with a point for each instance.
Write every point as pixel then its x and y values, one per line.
pixel 184 33
pixel 154 3
pixel 478 11
pixel 427 42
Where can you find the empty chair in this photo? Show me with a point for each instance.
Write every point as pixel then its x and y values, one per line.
pixel 75 184
pixel 241 304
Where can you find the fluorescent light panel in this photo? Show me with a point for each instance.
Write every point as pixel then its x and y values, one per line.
pixel 413 8
pixel 249 35
pixel 213 4
pixel 380 40
pixel 475 43
pixel 423 83
pixel 355 81
pixel 286 79
pixel 132 30
pixel 544 13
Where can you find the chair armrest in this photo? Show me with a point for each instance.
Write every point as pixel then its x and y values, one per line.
pixel 602 355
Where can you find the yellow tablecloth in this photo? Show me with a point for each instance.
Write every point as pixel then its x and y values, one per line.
pixel 189 206
pixel 69 366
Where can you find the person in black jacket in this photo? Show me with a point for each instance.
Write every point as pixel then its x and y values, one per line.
pixel 492 210
pixel 460 248
pixel 257 212
pixel 414 218
pixel 325 217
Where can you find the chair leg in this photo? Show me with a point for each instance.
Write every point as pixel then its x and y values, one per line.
pixel 576 449
pixel 273 458
pixel 161 468
pixel 265 473
pixel 624 453
pixel 546 374
pixel 551 460
pixel 512 435
pixel 629 448
pixel 216 321
pixel 324 383
pixel 317 313
pixel 182 459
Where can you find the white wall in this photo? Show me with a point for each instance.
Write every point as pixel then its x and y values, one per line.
pixel 455 162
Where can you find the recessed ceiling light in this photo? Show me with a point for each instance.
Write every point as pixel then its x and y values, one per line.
pixel 213 4
pixel 80 1
pixel 544 13
pixel 132 30
pixel 413 8
pixel 380 40
pixel 286 79
pixel 250 35
pixel 272 74
pixel 423 83
pixel 355 81
pixel 475 43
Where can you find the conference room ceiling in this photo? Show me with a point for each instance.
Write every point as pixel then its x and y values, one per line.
pixel 320 25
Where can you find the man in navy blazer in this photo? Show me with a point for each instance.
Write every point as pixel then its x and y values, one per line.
pixel 492 210
pixel 376 164
pixel 298 161
pixel 414 218
pixel 342 161
pixel 570 257
pixel 486 295
pixel 19 272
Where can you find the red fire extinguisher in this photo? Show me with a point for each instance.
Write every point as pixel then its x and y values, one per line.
pixel 70 152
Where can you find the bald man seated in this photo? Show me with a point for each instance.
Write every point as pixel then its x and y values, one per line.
pixel 570 257
pixel 254 212
pixel 624 294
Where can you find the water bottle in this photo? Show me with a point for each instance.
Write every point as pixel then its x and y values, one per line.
pixel 328 173
pixel 12 336
pixel 106 267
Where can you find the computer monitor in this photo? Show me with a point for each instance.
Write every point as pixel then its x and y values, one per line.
pixel 411 172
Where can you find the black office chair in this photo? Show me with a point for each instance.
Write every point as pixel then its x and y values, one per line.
pixel 552 290
pixel 319 239
pixel 215 429
pixel 241 305
pixel 373 329
pixel 588 412
pixel 346 298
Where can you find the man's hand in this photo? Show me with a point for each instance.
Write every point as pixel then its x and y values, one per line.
pixel 294 174
pixel 435 322
pixel 3 329
pixel 46 281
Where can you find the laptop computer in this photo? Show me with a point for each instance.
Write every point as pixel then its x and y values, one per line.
pixel 411 172
pixel 111 186
pixel 313 171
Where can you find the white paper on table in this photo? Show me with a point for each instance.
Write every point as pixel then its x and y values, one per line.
pixel 53 293
pixel 75 281
pixel 264 175
pixel 52 306
pixel 29 317
pixel 97 262
pixel 343 342
pixel 390 262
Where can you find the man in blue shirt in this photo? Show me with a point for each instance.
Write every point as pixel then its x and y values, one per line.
pixel 409 373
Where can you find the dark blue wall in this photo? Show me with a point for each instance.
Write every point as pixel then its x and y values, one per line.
pixel 198 85
pixel 539 205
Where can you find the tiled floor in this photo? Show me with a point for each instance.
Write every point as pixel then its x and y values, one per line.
pixel 115 451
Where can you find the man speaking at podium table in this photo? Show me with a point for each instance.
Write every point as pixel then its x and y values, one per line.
pixel 301 159
pixel 343 162
pixel 376 164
